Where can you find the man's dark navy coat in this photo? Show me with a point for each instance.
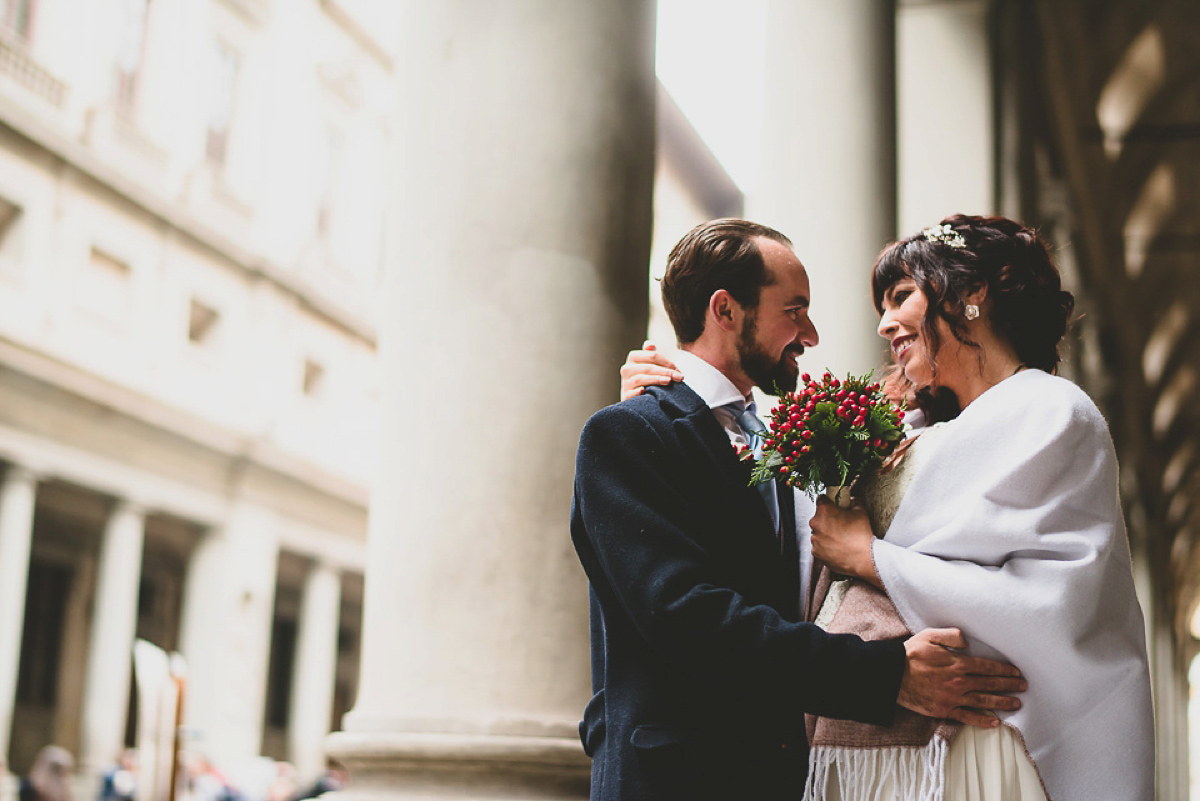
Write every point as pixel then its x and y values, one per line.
pixel 701 672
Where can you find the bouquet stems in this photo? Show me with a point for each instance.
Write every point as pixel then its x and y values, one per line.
pixel 839 495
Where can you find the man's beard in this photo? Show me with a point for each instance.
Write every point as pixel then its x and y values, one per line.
pixel 768 374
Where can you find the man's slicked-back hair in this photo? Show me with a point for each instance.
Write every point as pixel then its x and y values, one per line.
pixel 719 254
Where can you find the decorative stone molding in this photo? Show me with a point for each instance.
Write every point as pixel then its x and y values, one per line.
pixel 255 12
pixel 352 318
pixel 17 65
pixel 338 13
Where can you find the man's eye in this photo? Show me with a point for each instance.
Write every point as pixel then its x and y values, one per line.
pixel 900 296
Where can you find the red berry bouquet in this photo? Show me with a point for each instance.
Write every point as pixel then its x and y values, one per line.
pixel 828 433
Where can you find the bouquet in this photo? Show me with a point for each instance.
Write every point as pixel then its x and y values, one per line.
pixel 826 434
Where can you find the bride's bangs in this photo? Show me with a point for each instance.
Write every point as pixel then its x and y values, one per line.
pixel 890 267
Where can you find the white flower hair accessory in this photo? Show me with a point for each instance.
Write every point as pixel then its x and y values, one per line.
pixel 944 235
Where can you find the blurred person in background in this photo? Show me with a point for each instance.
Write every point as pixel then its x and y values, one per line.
pixel 333 779
pixel 50 777
pixel 284 785
pixel 206 783
pixel 120 781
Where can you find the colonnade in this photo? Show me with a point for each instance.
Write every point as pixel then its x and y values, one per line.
pixel 225 633
pixel 113 621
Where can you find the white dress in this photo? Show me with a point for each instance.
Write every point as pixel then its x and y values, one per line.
pixel 982 764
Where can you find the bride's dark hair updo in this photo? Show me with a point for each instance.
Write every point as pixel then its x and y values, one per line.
pixel 1026 304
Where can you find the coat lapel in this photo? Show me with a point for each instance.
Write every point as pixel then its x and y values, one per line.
pixel 707 431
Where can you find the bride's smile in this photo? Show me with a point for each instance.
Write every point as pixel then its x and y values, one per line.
pixel 904 307
pixel 901 344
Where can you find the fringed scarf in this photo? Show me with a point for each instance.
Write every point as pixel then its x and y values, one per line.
pixel 907 760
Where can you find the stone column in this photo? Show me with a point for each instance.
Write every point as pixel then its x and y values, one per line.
pixel 114 625
pixel 314 671
pixel 829 160
pixel 945 121
pixel 17 493
pixel 519 245
pixel 225 635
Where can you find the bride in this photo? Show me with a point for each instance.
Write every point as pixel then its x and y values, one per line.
pixel 999 517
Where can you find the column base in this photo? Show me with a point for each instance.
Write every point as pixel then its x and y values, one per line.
pixel 469 767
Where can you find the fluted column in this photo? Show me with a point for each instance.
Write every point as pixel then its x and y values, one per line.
pixel 314 671
pixel 519 246
pixel 829 160
pixel 17 493
pixel 110 651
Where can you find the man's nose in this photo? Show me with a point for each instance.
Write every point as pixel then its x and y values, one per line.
pixel 808 336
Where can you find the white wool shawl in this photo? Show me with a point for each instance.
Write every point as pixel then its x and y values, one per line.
pixel 1013 533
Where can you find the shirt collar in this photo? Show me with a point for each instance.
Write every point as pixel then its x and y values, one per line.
pixel 713 386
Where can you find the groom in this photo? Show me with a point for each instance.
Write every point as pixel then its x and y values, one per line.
pixel 701 671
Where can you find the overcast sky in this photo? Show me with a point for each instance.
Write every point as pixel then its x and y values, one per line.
pixel 709 52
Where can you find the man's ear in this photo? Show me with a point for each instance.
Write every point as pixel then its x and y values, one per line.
pixel 725 312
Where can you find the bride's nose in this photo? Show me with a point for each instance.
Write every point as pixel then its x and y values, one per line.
pixel 887 326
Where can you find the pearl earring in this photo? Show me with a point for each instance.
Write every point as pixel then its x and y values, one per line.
pixel 972 311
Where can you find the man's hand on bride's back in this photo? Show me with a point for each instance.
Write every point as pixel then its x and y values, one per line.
pixel 644 368
pixel 944 683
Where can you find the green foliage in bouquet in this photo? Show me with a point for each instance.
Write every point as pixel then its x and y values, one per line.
pixel 828 433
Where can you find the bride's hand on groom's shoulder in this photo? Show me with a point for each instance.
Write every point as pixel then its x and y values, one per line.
pixel 644 368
